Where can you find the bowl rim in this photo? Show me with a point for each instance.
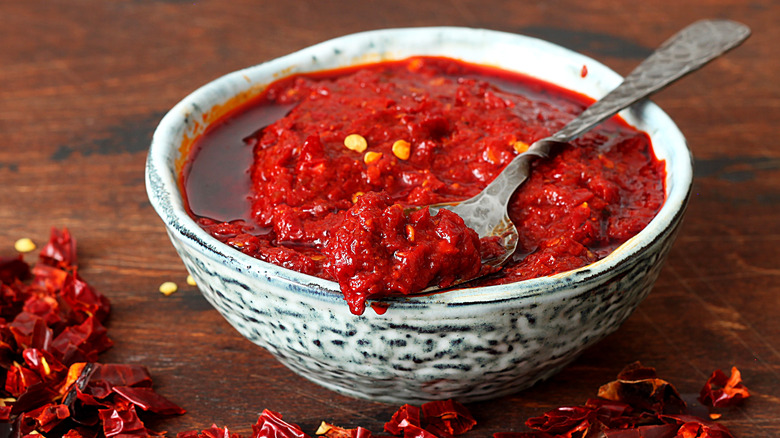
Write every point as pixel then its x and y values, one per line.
pixel 163 189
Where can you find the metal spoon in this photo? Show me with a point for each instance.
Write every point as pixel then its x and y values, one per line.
pixel 688 50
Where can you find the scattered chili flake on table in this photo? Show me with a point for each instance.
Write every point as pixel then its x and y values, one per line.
pixel 721 391
pixel 51 332
pixel 638 404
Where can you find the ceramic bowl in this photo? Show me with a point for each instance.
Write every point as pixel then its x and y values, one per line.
pixel 468 344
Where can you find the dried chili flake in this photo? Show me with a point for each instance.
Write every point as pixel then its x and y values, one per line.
pixel 689 426
pixel 271 425
pixel 122 375
pixel 82 342
pixel 18 378
pixel 45 307
pixel 122 420
pixel 43 363
pixel 48 278
pixel 564 420
pixel 212 432
pixel 447 418
pixel 720 391
pixel 61 249
pixel 640 387
pixel 80 432
pixel 30 331
pixel 46 417
pixel 406 415
pixel 332 431
pixel 416 432
pixel 84 299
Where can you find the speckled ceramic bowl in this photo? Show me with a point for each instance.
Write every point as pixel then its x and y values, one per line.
pixel 469 344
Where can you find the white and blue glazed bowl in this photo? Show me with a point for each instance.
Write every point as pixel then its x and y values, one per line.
pixel 468 344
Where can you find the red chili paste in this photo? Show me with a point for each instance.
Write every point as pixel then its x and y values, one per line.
pixel 318 202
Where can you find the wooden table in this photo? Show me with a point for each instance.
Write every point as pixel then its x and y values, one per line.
pixel 83 85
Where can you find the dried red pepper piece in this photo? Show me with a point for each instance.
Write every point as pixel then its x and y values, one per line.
pixel 212 432
pixel 83 299
pixel 447 418
pixel 82 342
pixel 564 421
pixel 271 425
pixel 690 426
pixel 438 419
pixel 406 415
pixel 107 376
pixel 328 430
pixel 720 391
pixel 49 277
pixel 416 432
pixel 80 432
pixel 640 387
pixel 30 331
pixel 122 420
pixel 18 378
pixel 46 417
pixel 60 251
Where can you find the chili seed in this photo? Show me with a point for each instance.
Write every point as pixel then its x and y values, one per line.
pixel 356 142
pixel 24 245
pixel 168 288
pixel 323 428
pixel 371 157
pixel 402 149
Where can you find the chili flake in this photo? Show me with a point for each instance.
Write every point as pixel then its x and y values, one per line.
pixel 721 391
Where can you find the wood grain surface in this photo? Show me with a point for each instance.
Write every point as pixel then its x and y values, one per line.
pixel 84 83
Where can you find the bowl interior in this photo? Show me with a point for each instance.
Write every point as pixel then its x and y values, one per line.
pixel 188 119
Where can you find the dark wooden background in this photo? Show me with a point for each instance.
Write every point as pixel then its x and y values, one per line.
pixel 83 83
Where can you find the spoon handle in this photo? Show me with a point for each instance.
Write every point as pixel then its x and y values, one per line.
pixel 686 51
